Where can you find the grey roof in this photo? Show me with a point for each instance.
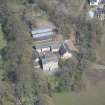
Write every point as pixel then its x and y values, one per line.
pixel 102 1
pixel 56 45
pixel 48 60
pixel 53 45
pixel 41 30
pixel 64 48
pixel 49 57
pixel 44 38
pixel 100 11
pixel 42 35
pixel 67 48
pixel 92 1
pixel 41 46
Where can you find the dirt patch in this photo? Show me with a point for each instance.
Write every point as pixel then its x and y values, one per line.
pixel 71 45
pixel 40 23
pixel 58 37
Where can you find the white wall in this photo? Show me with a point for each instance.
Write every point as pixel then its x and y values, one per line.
pixel 46 49
pixel 55 50
pixel 50 67
pixel 95 3
pixel 67 55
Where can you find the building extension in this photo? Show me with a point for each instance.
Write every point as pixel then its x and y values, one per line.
pixel 43 34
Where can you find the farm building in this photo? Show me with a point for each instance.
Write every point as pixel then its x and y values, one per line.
pixel 94 2
pixel 65 52
pixel 42 48
pixel 49 62
pixel 102 1
pixel 43 33
pixel 55 47
pixel 49 46
pixel 100 13
pixel 41 30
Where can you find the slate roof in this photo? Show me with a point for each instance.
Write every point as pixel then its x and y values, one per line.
pixel 64 48
pixel 93 1
pixel 99 1
pixel 99 11
pixel 49 57
pixel 48 60
pixel 45 38
pixel 53 45
pixel 43 33
pixel 102 1
pixel 56 45
pixel 41 30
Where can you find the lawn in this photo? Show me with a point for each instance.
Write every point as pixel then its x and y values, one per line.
pixel 93 96
pixel 2 40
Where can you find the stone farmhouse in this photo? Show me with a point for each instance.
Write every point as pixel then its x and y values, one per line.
pixel 48 45
pixel 49 50
pixel 50 53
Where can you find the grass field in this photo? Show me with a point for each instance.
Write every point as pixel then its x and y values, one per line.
pixel 2 40
pixel 93 96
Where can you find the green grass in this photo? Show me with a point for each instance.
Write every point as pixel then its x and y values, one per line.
pixel 92 96
pixel 53 80
pixel 63 99
pixel 17 1
pixel 2 40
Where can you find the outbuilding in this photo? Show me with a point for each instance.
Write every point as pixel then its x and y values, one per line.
pixel 50 62
pixel 48 46
pixel 94 2
pixel 65 52
pixel 43 34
